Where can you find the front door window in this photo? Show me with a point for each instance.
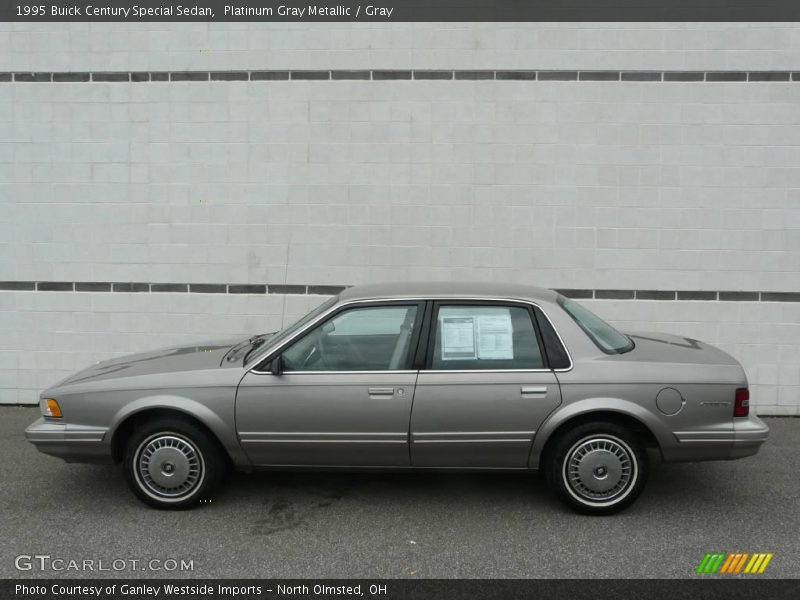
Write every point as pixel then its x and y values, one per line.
pixel 376 338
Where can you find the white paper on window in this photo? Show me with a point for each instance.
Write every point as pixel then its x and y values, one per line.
pixel 458 338
pixel 495 340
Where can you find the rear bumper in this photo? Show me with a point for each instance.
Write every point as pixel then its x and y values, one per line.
pixel 743 439
pixel 72 443
pixel 748 434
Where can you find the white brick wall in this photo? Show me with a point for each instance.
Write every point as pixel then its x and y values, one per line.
pixel 173 46
pixel 46 336
pixel 567 184
pixel 564 184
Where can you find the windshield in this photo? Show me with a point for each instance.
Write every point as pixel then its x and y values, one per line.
pixel 608 339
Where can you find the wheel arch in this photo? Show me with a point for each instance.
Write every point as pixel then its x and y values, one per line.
pixel 622 413
pixel 141 411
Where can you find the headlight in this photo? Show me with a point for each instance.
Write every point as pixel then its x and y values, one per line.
pixel 50 408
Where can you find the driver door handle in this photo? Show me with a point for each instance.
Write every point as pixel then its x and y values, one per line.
pixel 380 392
pixel 533 390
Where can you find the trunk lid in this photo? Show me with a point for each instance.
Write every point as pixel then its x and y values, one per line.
pixel 664 347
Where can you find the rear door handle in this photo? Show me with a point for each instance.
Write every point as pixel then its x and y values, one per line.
pixel 528 390
pixel 380 391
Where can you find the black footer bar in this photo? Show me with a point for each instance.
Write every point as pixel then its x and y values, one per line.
pixel 703 586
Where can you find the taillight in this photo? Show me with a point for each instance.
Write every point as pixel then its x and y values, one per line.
pixel 741 407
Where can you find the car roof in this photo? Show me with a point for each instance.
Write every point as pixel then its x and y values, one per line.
pixel 449 289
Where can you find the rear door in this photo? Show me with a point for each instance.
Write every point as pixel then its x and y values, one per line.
pixel 485 390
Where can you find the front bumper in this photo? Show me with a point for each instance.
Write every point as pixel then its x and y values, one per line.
pixel 72 443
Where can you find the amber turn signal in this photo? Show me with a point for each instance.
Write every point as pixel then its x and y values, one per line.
pixel 50 408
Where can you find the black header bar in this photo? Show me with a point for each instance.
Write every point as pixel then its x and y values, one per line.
pixel 401 10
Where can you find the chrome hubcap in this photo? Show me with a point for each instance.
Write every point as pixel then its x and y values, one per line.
pixel 169 466
pixel 599 469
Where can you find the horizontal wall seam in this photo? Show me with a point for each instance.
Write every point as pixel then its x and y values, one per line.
pixel 594 75
pixel 329 290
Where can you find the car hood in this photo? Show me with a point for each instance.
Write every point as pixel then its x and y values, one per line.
pixel 164 360
pixel 663 347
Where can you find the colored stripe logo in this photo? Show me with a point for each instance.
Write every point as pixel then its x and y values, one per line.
pixel 734 563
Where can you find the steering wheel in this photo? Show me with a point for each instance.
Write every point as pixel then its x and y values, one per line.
pixel 315 355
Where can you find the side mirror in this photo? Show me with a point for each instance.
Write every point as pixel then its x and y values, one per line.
pixel 276 366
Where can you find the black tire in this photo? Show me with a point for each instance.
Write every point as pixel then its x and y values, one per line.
pixel 598 468
pixel 167 447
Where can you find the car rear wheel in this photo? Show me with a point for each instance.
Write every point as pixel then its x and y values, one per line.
pixel 598 468
pixel 172 464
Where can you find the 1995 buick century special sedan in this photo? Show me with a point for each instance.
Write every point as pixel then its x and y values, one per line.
pixel 411 376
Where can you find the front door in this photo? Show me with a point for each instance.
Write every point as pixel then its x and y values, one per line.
pixel 343 396
pixel 486 388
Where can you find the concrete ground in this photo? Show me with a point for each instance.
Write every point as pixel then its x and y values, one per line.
pixel 277 525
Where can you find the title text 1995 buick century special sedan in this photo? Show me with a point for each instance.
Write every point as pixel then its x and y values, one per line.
pixel 401 376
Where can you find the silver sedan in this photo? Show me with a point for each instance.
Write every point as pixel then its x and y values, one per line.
pixel 411 376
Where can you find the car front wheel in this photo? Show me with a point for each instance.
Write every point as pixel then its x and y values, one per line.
pixel 172 464
pixel 598 468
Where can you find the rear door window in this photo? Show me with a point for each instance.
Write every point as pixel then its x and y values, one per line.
pixel 478 337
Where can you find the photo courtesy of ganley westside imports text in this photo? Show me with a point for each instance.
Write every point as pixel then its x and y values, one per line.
pixel 196 590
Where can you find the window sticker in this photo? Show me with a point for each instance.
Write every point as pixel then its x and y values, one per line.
pixel 495 340
pixel 458 338
pixel 486 334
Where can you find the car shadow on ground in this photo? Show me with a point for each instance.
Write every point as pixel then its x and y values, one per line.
pixel 284 494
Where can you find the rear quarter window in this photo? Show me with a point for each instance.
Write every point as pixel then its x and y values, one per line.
pixel 556 353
